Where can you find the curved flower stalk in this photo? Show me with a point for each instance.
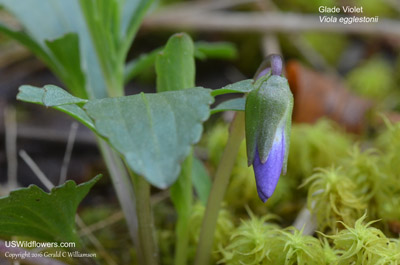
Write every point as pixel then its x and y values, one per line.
pixel 268 122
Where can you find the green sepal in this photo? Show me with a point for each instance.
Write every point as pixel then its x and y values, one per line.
pixel 268 108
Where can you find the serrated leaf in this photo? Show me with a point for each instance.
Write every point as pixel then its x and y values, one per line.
pixel 236 104
pixel 49 217
pixel 243 86
pixel 57 96
pixel 175 65
pixel 153 132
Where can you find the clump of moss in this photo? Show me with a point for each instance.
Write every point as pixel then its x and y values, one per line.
pixel 298 248
pixel 329 45
pixel 257 241
pixel 250 243
pixel 224 228
pixel 389 194
pixel 373 79
pixel 332 198
pixel 364 245
pixel 330 254
pixel 318 145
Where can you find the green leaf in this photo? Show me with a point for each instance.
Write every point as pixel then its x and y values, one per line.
pixel 182 198
pixel 43 216
pixel 140 64
pixel 175 65
pixel 66 51
pixel 201 180
pixel 56 96
pixel 202 50
pixel 52 96
pixel 236 104
pixel 243 86
pixel 28 42
pixel 219 50
pixel 153 132
pixel 132 15
pixel 45 20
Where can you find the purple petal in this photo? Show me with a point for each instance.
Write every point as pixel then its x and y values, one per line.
pixel 263 72
pixel 268 173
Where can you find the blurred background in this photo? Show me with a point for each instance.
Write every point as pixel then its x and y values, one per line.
pixel 346 75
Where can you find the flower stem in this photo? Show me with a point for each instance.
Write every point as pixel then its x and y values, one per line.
pixel 182 197
pixel 145 221
pixel 124 190
pixel 218 189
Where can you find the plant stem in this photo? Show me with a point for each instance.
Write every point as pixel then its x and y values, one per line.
pixel 218 189
pixel 182 197
pixel 145 220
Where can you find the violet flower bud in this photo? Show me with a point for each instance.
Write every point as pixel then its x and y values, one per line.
pixel 268 122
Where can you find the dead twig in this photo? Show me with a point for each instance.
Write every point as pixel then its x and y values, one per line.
pixel 68 152
pixel 262 22
pixel 36 170
pixel 10 125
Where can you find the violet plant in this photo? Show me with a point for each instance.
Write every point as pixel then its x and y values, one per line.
pixel 147 139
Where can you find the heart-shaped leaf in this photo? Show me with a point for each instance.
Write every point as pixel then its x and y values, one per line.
pixel 153 132
pixel 43 216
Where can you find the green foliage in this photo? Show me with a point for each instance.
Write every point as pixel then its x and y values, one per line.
pixel 321 144
pixel 364 245
pixel 373 79
pixel 83 42
pixel 295 248
pixel 237 104
pixel 250 243
pixel 175 64
pixel 49 23
pixel 220 50
pixel 243 86
pixel 256 241
pixel 225 225
pixel 202 51
pixel 117 120
pixel 39 96
pixel 389 194
pixel 175 70
pixel 43 216
pixel 201 180
pixel 328 45
pixel 331 197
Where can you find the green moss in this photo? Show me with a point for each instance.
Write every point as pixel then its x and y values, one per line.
pixel 250 243
pixel 373 79
pixel 362 244
pixel 259 242
pixel 332 197
pixel 329 45
pixel 225 226
pixel 318 145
